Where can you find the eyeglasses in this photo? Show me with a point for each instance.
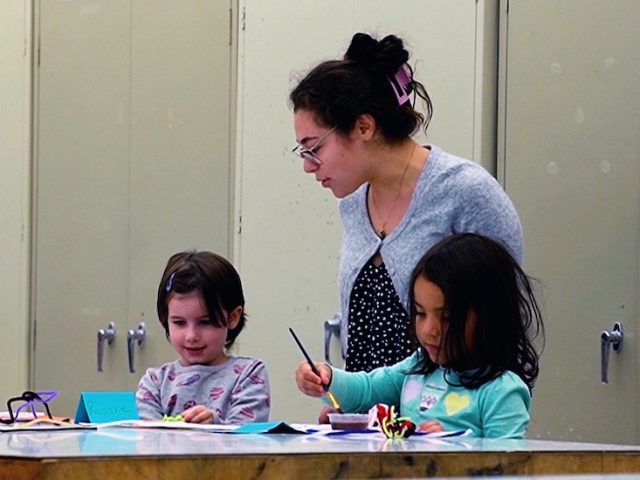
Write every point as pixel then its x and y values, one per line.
pixel 29 399
pixel 310 153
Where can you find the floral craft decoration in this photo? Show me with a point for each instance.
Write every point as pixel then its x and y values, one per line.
pixel 390 423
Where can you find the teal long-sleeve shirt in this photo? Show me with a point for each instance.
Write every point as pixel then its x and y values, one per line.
pixel 497 409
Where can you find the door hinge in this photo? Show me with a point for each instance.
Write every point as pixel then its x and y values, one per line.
pixel 230 27
pixel 34 335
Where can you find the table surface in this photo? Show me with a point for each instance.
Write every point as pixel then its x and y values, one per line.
pixel 119 442
pixel 172 454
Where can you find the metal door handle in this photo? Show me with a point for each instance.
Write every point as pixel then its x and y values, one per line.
pixel 331 327
pixel 608 339
pixel 133 337
pixel 105 334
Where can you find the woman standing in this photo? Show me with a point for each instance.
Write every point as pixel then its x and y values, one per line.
pixel 354 119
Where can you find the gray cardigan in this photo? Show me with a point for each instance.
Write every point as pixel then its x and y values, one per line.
pixel 452 195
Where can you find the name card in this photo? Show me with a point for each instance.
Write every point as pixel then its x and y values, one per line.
pixel 100 407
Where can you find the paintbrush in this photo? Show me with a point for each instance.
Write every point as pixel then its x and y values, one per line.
pixel 331 396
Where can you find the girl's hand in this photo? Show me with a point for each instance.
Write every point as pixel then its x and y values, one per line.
pixel 430 426
pixel 323 416
pixel 309 383
pixel 197 414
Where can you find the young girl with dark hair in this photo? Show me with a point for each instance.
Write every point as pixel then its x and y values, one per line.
pixel 354 119
pixel 475 318
pixel 201 307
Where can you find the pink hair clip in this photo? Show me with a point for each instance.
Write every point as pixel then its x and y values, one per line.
pixel 400 83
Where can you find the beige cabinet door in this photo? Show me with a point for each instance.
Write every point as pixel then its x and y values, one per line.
pixel 572 166
pixel 132 164
pixel 291 230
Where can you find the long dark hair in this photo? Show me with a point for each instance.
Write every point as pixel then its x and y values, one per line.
pixel 213 277
pixel 476 273
pixel 337 92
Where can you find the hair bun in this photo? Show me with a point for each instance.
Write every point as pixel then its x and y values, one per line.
pixel 385 56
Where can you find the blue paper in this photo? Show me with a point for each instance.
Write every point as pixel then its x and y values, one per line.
pixel 101 442
pixel 100 407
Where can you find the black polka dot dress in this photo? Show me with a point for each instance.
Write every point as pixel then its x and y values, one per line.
pixel 378 323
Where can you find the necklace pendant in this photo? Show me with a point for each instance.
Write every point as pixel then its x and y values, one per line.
pixel 382 234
